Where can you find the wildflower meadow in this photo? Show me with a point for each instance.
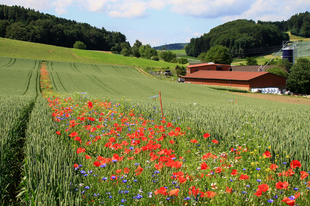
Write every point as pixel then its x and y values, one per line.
pixel 128 158
pixel 60 147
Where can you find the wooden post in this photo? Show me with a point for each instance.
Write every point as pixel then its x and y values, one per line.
pixel 161 106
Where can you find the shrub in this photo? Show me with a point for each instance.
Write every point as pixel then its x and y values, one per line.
pixel 155 58
pixel 79 45
pixel 125 52
pixel 182 61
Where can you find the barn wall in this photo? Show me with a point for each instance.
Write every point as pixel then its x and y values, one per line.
pixel 214 82
pixel 268 80
pixel 191 70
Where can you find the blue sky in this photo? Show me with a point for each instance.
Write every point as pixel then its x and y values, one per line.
pixel 158 22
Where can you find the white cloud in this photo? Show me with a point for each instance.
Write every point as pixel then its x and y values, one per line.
pixel 128 10
pixel 271 10
pixel 61 6
pixel 225 9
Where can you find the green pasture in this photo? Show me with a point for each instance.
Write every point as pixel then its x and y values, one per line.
pixel 118 59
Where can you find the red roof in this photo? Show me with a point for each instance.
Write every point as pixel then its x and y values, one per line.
pixel 225 75
pixel 205 64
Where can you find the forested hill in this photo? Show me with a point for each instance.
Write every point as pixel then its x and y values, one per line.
pixel 298 24
pixel 175 46
pixel 242 37
pixel 29 25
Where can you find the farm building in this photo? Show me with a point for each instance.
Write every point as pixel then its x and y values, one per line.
pixel 250 68
pixel 242 80
pixel 207 66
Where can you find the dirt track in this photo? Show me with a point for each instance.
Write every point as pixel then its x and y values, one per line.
pixel 278 98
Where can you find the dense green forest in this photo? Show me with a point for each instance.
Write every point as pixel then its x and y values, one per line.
pixel 175 46
pixel 19 23
pixel 298 24
pixel 242 37
pixel 246 38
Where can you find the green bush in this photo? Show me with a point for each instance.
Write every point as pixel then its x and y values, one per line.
pixel 182 60
pixel 79 45
pixel 125 52
pixel 155 58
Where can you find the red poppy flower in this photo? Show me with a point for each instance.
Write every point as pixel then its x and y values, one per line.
pixel 218 169
pixel 161 190
pixel 258 193
pixel 295 163
pixel 87 157
pixel 174 192
pixel 243 177
pixel 215 141
pixel 76 166
pixel 288 201
pixel 171 142
pixel 77 138
pixel 263 187
pixel 73 134
pixel 126 170
pixel 138 170
pixel 57 132
pixel 206 135
pixel 194 141
pixel 80 150
pixel 303 175
pixel 228 190
pixel 204 166
pixel 97 164
pixel 210 194
pixel 234 172
pixel 281 185
pixel 273 166
pixel 267 154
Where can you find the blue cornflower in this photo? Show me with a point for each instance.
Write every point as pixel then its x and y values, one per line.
pixel 114 161
pixel 96 194
pixel 284 163
pixel 295 188
pixel 87 187
pixel 270 200
pixel 258 180
pixel 124 181
pixel 292 197
pixel 135 180
pixel 104 178
pixel 258 169
pixel 110 196
pixel 137 164
pixel 102 166
pixel 123 200
pixel 244 169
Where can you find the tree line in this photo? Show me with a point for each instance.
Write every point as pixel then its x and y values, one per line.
pixel 242 37
pixel 26 24
pixel 298 24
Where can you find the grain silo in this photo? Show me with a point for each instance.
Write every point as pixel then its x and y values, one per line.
pixel 289 53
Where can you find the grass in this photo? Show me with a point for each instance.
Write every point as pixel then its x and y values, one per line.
pixel 23 49
pixel 121 60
